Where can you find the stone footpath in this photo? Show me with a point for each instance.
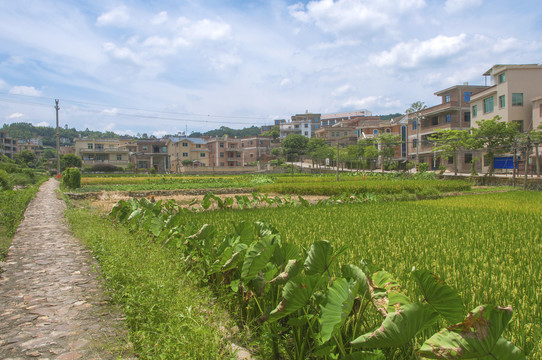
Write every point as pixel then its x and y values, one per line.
pixel 51 301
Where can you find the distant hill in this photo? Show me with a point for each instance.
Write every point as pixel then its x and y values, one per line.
pixel 27 131
pixel 389 116
pixel 224 130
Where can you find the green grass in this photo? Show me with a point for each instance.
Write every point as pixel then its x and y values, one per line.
pixel 486 246
pixel 168 315
pixel 13 204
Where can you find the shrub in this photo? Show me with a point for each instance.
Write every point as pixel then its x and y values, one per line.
pixel 71 179
pixel 4 180
pixel 104 168
pixel 423 167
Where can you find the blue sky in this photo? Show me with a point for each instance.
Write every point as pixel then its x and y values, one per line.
pixel 168 66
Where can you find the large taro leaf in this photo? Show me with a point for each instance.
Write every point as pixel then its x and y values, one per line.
pixel 284 253
pixel 337 306
pixel 355 273
pixel 296 294
pixel 385 292
pixel 263 228
pixel 320 257
pixel 290 270
pixel 365 355
pixel 505 350
pixel 477 336
pixel 440 296
pixel 398 327
pixel 258 256
pixel 245 232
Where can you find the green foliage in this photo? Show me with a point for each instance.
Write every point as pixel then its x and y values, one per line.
pixel 12 207
pixel 103 168
pixel 70 179
pixel 5 183
pixel 70 160
pixel 318 310
pixel 25 157
pixel 294 145
pixel 423 167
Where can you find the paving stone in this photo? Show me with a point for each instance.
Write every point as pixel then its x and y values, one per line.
pixel 52 305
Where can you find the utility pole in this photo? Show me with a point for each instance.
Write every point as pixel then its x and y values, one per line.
pixel 57 139
pixel 514 162
pixel 537 159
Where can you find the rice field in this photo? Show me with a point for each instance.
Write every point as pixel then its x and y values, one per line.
pixel 487 246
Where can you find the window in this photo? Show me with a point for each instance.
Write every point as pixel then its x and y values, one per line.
pixel 201 154
pixel 450 159
pixel 475 111
pixel 468 158
pixel 345 133
pixel 434 120
pixel 375 132
pixel 185 154
pixel 502 78
pixel 119 157
pixel 221 145
pixel 164 149
pixel 232 146
pixel 517 99
pixel 238 155
pixel 488 105
pixel 306 133
pixel 144 148
pixel 185 144
pixel 251 155
pixel 315 119
pixel 142 164
pixel 415 143
pixel 414 125
pixel 89 146
pixel 221 164
pixel 198 146
pixel 306 125
pixel 520 125
pixel 448 118
pixel 221 154
pixel 447 98
pixel 388 130
pixel 466 116
pixel 316 127
pixel 502 101
pixel 466 96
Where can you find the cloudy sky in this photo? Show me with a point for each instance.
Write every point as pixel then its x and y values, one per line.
pixel 174 65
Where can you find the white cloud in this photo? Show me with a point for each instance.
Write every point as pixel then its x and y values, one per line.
pixel 159 134
pixel 159 18
pixel 25 90
pixel 415 53
pixel 121 53
pixel 342 90
pixel 285 83
pixel 3 84
pixel 370 102
pixel 16 115
pixel 117 17
pixel 223 61
pixel 457 6
pixel 207 30
pixel 344 15
pixel 112 111
pixel 42 123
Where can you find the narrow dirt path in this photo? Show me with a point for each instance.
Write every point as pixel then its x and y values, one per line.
pixel 51 302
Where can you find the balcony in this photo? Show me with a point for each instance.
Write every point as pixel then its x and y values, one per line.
pixel 446 107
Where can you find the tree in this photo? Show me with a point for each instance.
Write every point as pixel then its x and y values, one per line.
pixel 449 142
pixel 186 162
pixel 388 143
pixel 26 157
pixel 69 161
pixel 495 136
pixel 416 110
pixel 314 146
pixel 294 145
pixel 274 132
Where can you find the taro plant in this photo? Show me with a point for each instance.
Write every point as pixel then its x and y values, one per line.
pixel 305 304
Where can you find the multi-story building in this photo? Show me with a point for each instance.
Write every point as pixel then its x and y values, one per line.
pixel 514 95
pixel 345 135
pixel 115 152
pixel 303 124
pixel 8 146
pixel 452 113
pixel 256 148
pixel 225 151
pixel 184 149
pixel 32 145
pixel 513 87
pixel 151 154
pixel 277 122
